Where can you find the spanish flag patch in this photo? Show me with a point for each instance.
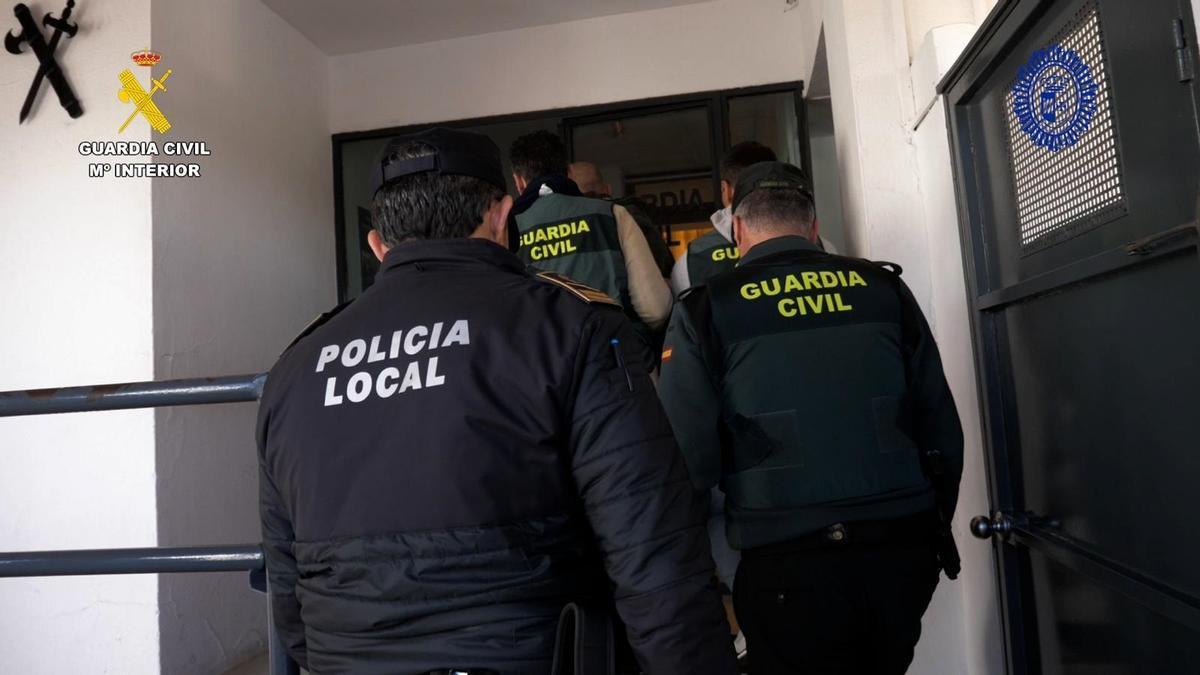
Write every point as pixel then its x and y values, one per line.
pixel 666 355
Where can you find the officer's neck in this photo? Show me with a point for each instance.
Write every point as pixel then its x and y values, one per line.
pixel 773 244
pixel 747 239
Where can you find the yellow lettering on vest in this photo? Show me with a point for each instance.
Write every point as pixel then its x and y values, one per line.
pixel 750 291
pixel 841 306
pixel 770 286
pixel 536 253
pixel 856 279
pixel 787 307
pixel 583 227
pixel 811 279
pixel 725 253
pixel 791 283
pixel 842 278
pixel 829 279
pixel 817 304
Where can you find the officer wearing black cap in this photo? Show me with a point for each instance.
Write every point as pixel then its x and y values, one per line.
pixel 451 458
pixel 809 386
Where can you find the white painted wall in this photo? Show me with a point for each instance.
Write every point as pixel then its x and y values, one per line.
pixel 977 627
pixel 75 299
pixel 711 45
pixel 898 198
pixel 243 260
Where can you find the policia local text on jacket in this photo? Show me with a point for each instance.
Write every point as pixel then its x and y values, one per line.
pixel 435 459
pixel 808 385
pixel 593 241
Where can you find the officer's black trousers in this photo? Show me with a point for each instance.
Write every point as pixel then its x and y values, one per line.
pixel 842 608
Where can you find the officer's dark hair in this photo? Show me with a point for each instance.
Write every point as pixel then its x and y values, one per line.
pixel 537 154
pixel 429 205
pixel 741 156
pixel 775 209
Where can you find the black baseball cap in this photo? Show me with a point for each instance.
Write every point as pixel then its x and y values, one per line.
pixel 770 175
pixel 459 153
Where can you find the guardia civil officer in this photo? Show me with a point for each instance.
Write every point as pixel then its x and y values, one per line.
pixel 454 456
pixel 593 241
pixel 808 385
pixel 716 251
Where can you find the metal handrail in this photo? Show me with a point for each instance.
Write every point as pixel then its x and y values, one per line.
pixel 242 558
pixel 123 396
pixel 126 395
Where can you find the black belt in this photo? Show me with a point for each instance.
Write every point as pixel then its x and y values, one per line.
pixel 918 530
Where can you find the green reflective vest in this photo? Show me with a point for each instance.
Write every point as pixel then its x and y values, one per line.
pixel 708 255
pixel 817 409
pixel 576 237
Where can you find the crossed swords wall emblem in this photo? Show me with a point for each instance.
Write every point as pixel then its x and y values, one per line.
pixel 48 67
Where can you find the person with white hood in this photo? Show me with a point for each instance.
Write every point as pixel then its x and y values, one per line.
pixel 715 252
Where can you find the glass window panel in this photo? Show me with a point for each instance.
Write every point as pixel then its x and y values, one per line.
pixel 769 119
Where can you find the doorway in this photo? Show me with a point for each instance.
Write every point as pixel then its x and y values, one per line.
pixel 663 151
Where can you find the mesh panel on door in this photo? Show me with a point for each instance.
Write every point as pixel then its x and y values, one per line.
pixel 1067 175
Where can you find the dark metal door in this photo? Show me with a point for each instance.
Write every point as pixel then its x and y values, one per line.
pixel 1074 131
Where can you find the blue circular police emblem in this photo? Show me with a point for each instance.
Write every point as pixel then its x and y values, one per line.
pixel 1054 98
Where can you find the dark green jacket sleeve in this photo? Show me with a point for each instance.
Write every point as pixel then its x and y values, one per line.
pixel 691 398
pixel 647 520
pixel 935 418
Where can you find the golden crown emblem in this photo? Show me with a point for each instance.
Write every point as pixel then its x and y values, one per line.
pixel 146 57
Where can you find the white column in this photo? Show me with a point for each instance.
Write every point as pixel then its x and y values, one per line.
pixel 972 628
pixel 872 103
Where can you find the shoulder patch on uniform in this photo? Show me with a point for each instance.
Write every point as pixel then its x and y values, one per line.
pixel 889 266
pixel 582 291
pixel 317 323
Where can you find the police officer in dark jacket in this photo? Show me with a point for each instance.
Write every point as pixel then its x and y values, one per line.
pixel 467 447
pixel 809 386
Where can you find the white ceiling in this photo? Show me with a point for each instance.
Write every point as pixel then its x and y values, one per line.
pixel 350 26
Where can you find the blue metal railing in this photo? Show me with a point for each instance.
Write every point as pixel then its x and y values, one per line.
pixel 237 558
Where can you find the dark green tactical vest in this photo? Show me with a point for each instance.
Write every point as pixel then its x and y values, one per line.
pixel 709 255
pixel 576 237
pixel 812 353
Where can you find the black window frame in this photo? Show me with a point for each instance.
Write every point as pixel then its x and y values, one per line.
pixel 716 101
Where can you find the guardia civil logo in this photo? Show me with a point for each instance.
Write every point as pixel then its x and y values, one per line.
pixel 143 101
pixel 1054 98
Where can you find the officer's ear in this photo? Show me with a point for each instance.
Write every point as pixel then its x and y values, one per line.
pixel 739 235
pixel 520 183
pixel 726 192
pixel 495 222
pixel 378 247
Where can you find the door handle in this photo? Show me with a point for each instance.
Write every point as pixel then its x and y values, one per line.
pixel 999 523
